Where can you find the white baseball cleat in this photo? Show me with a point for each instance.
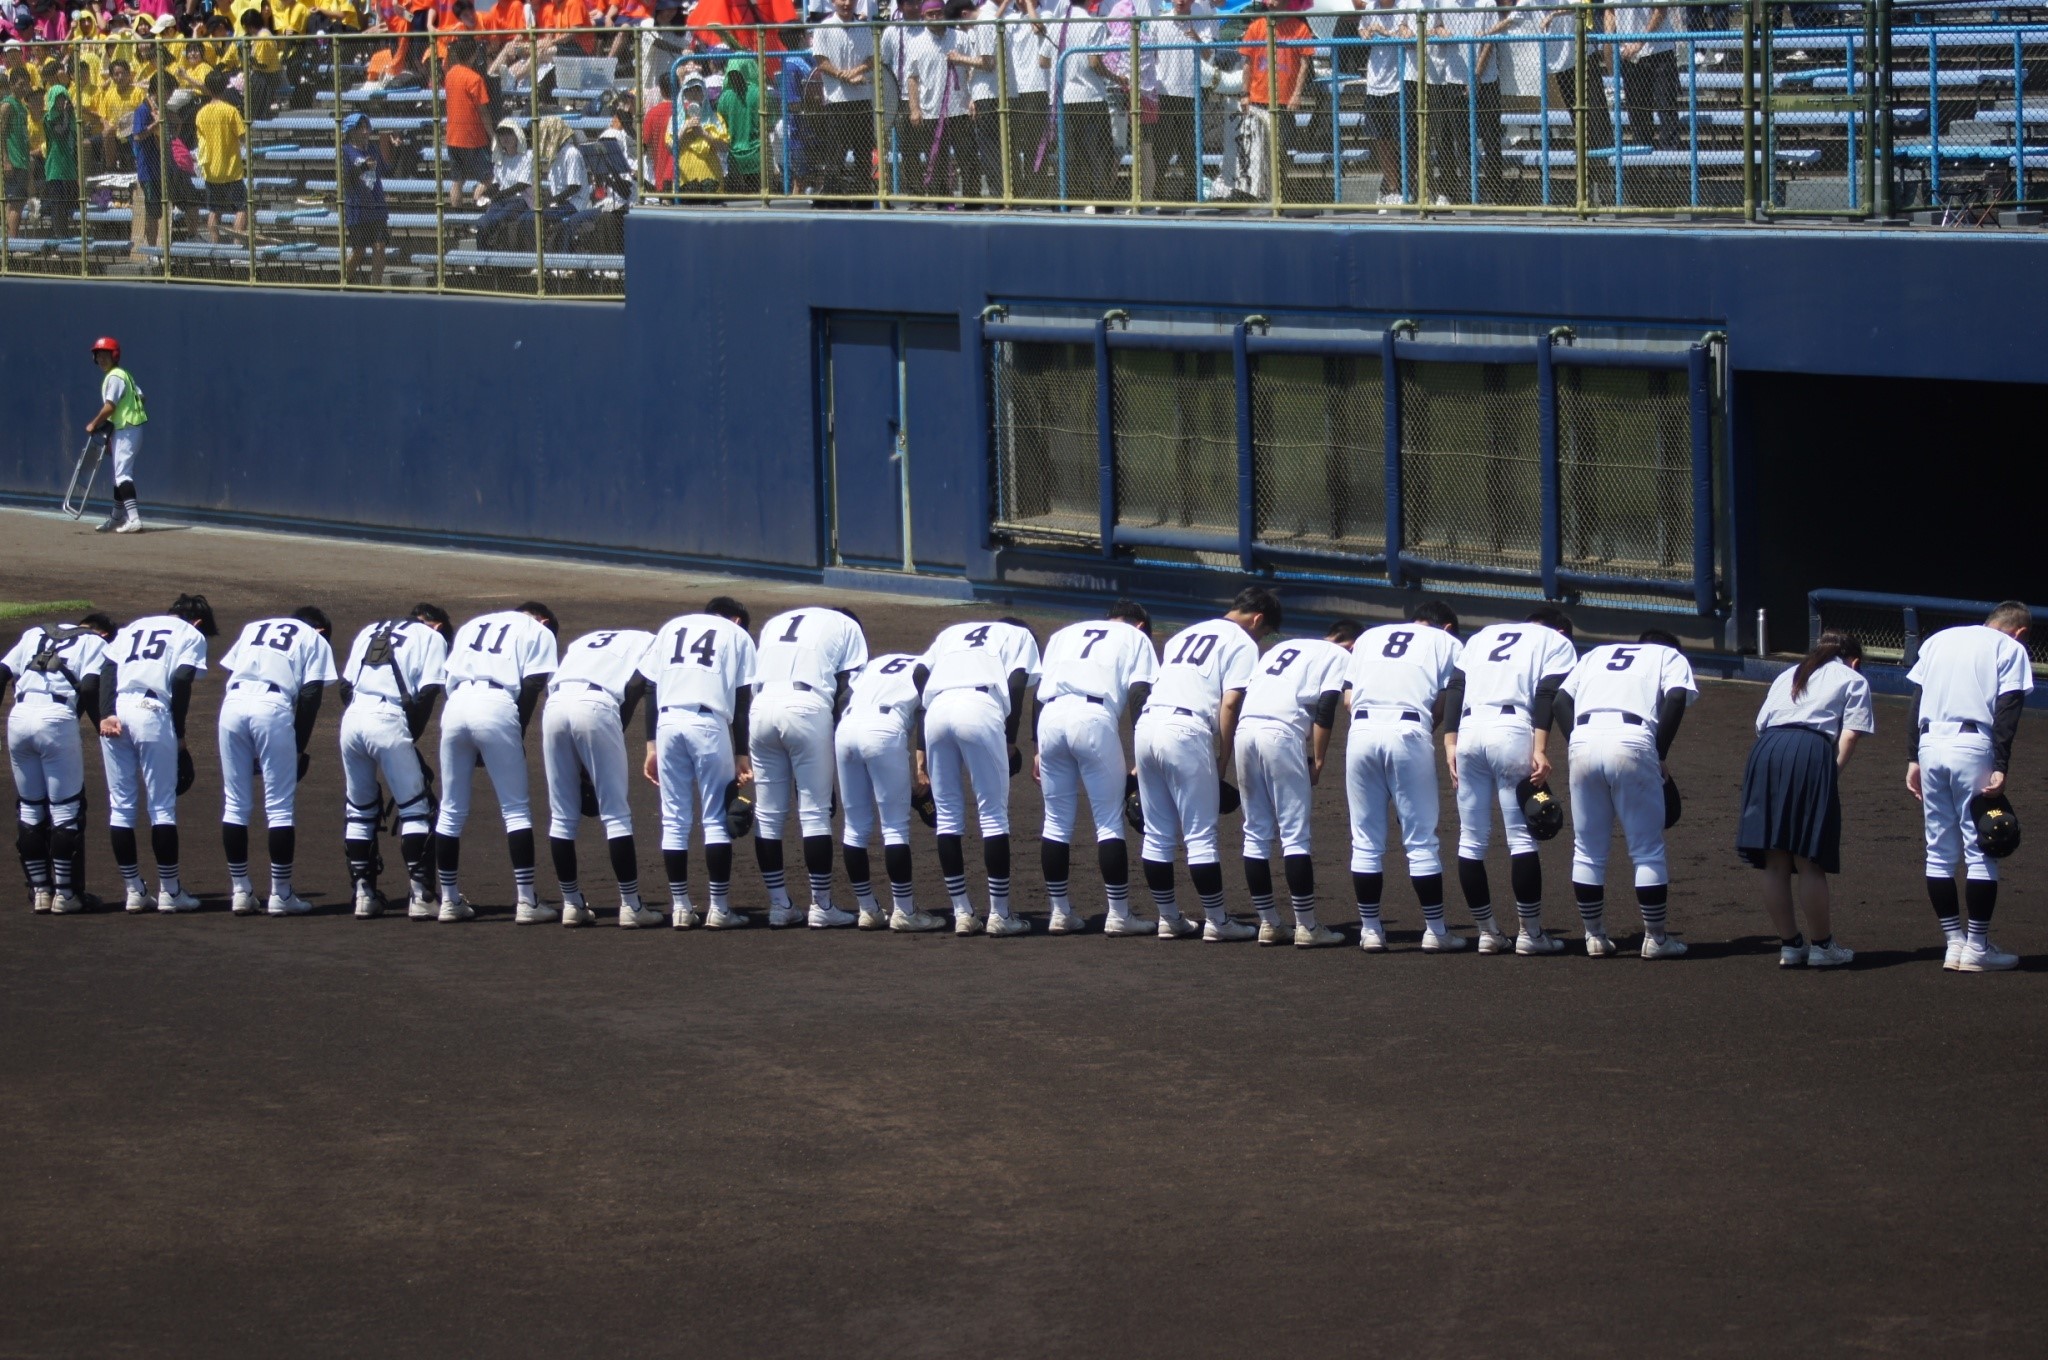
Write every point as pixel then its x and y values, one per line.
pixel 1952 955
pixel 1986 958
pixel 966 923
pixel 179 901
pixel 138 901
pixel 1372 939
pixel 577 913
pixel 421 907
pixel 42 901
pixel 825 916
pixel 1178 928
pixel 1496 942
pixel 245 904
pixel 1441 942
pixel 1227 930
pixel 999 924
pixel 1528 945
pixel 1272 932
pixel 1670 947
pixel 1792 955
pixel 682 916
pixel 109 524
pixel 131 525
pixel 535 914
pixel 456 908
pixel 1114 924
pixel 632 918
pixel 1316 937
pixel 877 919
pixel 1832 955
pixel 913 921
pixel 1598 946
pixel 1068 923
pixel 293 905
pixel 723 918
pixel 69 904
pixel 786 914
pixel 369 902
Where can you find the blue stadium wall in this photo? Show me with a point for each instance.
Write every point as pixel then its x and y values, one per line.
pixel 1887 388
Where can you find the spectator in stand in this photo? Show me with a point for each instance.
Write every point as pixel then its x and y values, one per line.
pixel 1030 105
pixel 624 15
pixel 115 111
pixel 660 46
pixel 657 149
pixel 466 98
pixel 566 187
pixel 289 18
pixel 1274 82
pixel 739 118
pixel 263 73
pixel 1485 57
pixel 988 77
pixel 146 143
pixel 222 160
pixel 607 161
pixel 365 215
pixel 193 68
pixel 1449 75
pixel 14 153
pixel 936 93
pixel 566 14
pixel 1088 161
pixel 1389 119
pixel 697 142
pixel 60 158
pixel 1136 95
pixel 508 198
pixel 844 49
pixel 1649 73
pixel 1177 66
pixel 451 24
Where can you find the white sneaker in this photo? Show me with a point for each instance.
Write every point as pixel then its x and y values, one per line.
pixel 1951 959
pixel 1068 923
pixel 914 922
pixel 1598 946
pixel 1986 958
pixel 131 525
pixel 828 917
pixel 179 901
pixel 1829 956
pixel 369 902
pixel 1315 937
pixel 1792 955
pixel 1178 928
pixel 293 905
pixel 999 925
pixel 966 923
pixel 876 919
pixel 421 908
pixel 67 904
pixel 683 916
pixel 1273 933
pixel 1227 930
pixel 138 902
pixel 110 523
pixel 632 918
pixel 577 913
pixel 1496 942
pixel 1541 942
pixel 1670 947
pixel 1444 943
pixel 456 909
pixel 44 897
pixel 535 914
pixel 245 904
pixel 723 918
pixel 788 914
pixel 1372 939
pixel 1129 925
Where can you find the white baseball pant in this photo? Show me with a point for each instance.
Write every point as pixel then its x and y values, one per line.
pixel 1493 757
pixel 258 736
pixel 125 444
pixel 1272 779
pixel 1954 767
pixel 789 740
pixel 142 763
pixel 965 742
pixel 481 722
pixel 580 732
pixel 1178 786
pixel 374 738
pixel 1392 757
pixel 48 760
pixel 873 751
pixel 1079 748
pixel 694 761
pixel 1616 776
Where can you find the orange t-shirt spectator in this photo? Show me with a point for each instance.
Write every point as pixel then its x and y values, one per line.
pixel 1292 61
pixel 566 14
pixel 467 99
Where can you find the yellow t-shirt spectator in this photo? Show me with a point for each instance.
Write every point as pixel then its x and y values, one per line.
pixel 343 12
pixel 266 54
pixel 289 16
pixel 116 110
pixel 221 130
pixel 191 75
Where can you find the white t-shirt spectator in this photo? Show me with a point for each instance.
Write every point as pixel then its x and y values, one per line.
pixel 1179 66
pixel 1028 51
pixel 895 65
pixel 1642 19
pixel 845 46
pixel 941 82
pixel 567 176
pixel 1080 82
pixel 1450 61
pixel 984 40
pixel 1392 59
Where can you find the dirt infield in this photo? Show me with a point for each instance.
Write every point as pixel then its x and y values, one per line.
pixel 333 1137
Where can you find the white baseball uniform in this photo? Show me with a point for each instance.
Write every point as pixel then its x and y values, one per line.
pixel 581 730
pixel 967 707
pixel 873 750
pixel 375 733
pixel 1962 672
pixel 1504 663
pixel 44 748
pixel 269 664
pixel 1088 672
pixel 1616 692
pixel 801 657
pixel 488 660
pixel 1273 742
pixel 1175 738
pixel 142 763
pixel 1397 672
pixel 698 664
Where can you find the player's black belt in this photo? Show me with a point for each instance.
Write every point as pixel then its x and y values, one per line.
pixel 1966 725
pixel 1187 713
pixel 1631 719
pixel 71 703
pixel 1093 699
pixel 1509 709
pixel 1407 714
pixel 802 685
pixel 145 694
pixel 584 683
pixel 462 684
pixel 255 684
pixel 705 709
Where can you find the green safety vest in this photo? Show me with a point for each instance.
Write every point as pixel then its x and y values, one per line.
pixel 128 410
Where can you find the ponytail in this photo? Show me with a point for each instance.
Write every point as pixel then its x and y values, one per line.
pixel 1834 645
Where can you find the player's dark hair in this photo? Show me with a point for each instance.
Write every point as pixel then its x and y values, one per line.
pixel 1661 638
pixel 1550 616
pixel 850 614
pixel 1344 632
pixel 216 82
pixel 1133 613
pixel 431 614
pixel 726 607
pixel 2010 615
pixel 194 610
pixel 462 50
pixel 1835 644
pixel 1263 602
pixel 100 623
pixel 1434 612
pixel 544 614
pixel 1019 623
pixel 308 613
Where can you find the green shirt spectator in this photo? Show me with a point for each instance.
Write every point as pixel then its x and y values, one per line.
pixel 739 109
pixel 60 132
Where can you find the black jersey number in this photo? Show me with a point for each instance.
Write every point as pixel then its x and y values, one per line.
pixel 282 642
pixel 978 637
pixel 1504 646
pixel 1094 635
pixel 1283 661
pixel 497 648
pixel 154 649
pixel 600 641
pixel 1193 651
pixel 896 665
pixel 789 633
pixel 705 648
pixel 1397 644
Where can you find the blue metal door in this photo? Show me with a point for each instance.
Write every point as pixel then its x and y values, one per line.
pixel 898 460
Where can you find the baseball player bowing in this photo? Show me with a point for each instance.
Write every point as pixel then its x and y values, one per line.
pixel 1622 705
pixel 702 667
pixel 278 670
pixel 806 660
pixel 497 666
pixel 1092 672
pixel 1497 711
pixel 1397 680
pixel 394 676
pixel 56 673
pixel 583 745
pixel 1283 734
pixel 973 679
pixel 1183 741
pixel 148 670
pixel 873 746
pixel 1971 684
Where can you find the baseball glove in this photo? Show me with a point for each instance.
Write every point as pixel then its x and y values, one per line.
pixel 1228 800
pixel 587 791
pixel 921 803
pixel 739 811
pixel 1016 762
pixel 1673 807
pixel 186 774
pixel 305 764
pixel 1134 811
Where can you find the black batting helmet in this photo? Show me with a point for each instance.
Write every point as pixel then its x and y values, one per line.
pixel 1998 826
pixel 1540 809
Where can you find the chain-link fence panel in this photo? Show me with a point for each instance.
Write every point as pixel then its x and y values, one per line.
pixel 1624 444
pixel 1174 417
pixel 1047 464
pixel 1885 633
pixel 1470 455
pixel 1319 452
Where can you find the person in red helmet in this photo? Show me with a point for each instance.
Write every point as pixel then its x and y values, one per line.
pixel 122 417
